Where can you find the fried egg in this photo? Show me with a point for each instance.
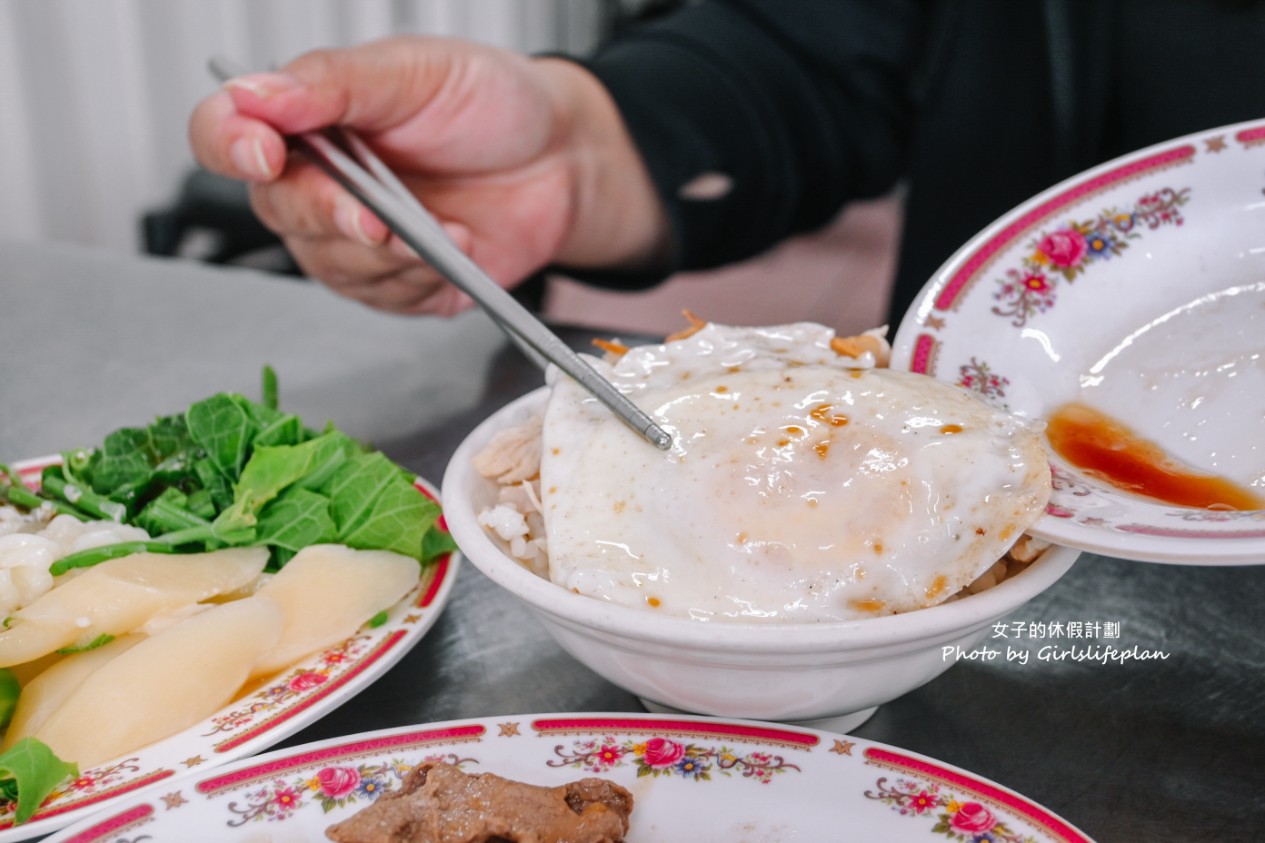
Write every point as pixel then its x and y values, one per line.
pixel 801 485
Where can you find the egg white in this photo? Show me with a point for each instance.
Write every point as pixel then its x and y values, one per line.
pixel 801 485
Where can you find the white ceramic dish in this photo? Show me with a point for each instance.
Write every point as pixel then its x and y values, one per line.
pixel 692 779
pixel 1138 287
pixel 824 674
pixel 293 699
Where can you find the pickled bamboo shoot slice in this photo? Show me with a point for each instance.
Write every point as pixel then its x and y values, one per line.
pixel 117 596
pixel 164 684
pixel 327 592
pixel 46 692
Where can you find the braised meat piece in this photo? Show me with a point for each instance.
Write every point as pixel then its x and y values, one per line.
pixel 438 803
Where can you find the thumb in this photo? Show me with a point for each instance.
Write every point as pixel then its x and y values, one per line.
pixel 372 87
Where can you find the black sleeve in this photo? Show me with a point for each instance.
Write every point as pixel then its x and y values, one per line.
pixel 789 108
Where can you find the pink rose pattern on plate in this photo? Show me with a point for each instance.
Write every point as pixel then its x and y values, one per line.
pixel 336 786
pixel 1068 251
pixel 1045 246
pixel 314 783
pixel 660 756
pixel 293 686
pixel 956 819
pixel 99 782
pixel 980 378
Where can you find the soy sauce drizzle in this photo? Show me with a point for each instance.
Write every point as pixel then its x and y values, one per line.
pixel 1110 451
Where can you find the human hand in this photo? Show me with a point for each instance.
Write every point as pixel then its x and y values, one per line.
pixel 512 155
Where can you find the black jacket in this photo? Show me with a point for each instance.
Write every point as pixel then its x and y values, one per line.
pixel 973 105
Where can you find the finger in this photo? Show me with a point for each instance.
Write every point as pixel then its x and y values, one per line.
pixel 415 290
pixel 308 203
pixel 459 234
pixel 373 86
pixel 226 142
pixel 408 297
pixel 345 264
pixel 446 301
pixel 403 295
pixel 378 277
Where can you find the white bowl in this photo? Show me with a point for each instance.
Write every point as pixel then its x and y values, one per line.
pixel 831 675
pixel 1137 287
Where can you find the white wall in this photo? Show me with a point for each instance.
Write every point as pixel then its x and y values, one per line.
pixel 95 94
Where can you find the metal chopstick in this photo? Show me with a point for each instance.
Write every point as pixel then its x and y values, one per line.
pixel 379 170
pixel 410 221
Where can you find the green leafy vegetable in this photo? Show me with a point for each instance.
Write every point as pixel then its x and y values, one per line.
pixel 436 543
pixel 168 512
pixel 376 507
pixel 9 691
pixel 270 390
pixel 232 472
pixel 274 469
pixel 29 771
pixel 297 518
pixel 81 496
pixel 95 555
pixel 17 493
pixel 100 641
pixel 223 427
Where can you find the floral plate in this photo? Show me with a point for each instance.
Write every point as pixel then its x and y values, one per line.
pixel 1137 287
pixel 697 779
pixel 287 703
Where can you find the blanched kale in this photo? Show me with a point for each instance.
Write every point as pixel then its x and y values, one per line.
pixel 232 472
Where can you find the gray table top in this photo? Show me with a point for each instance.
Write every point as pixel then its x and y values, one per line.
pixel 1161 750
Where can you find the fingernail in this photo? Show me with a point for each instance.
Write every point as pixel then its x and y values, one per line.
pixel 347 216
pixel 263 85
pixel 248 156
